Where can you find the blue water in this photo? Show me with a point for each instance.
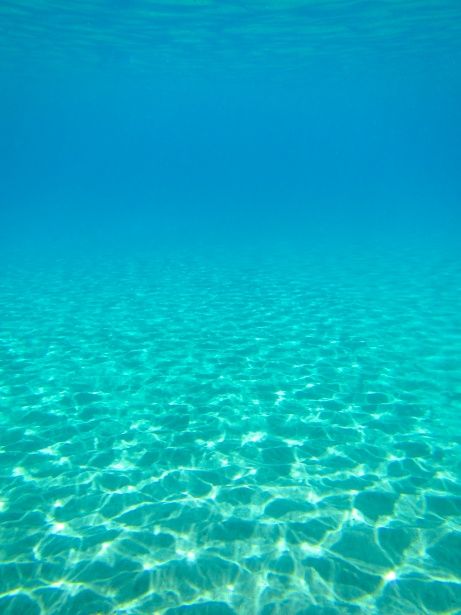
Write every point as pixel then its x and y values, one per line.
pixel 230 307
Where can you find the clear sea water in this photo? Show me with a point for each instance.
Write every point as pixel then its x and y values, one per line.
pixel 230 307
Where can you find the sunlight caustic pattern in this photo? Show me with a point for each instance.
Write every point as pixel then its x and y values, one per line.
pixel 213 435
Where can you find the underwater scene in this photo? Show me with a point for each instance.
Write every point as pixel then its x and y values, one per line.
pixel 230 307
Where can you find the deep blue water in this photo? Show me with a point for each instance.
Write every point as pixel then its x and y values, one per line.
pixel 230 335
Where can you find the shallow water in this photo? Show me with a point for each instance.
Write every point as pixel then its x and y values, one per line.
pixel 230 307
pixel 243 433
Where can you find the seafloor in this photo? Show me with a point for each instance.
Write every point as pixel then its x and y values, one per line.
pixel 196 433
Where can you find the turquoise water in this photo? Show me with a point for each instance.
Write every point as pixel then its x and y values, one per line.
pixel 230 307
pixel 213 432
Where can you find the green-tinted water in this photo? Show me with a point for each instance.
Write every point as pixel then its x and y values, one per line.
pixel 230 307
pixel 198 434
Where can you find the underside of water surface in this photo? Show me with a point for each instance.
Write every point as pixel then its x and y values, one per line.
pixel 230 307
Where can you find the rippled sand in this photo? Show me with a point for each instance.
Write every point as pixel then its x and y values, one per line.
pixel 228 434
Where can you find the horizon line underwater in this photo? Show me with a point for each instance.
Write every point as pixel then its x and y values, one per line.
pixel 230 307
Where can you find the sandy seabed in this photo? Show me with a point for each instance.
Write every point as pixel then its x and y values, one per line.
pixel 231 435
